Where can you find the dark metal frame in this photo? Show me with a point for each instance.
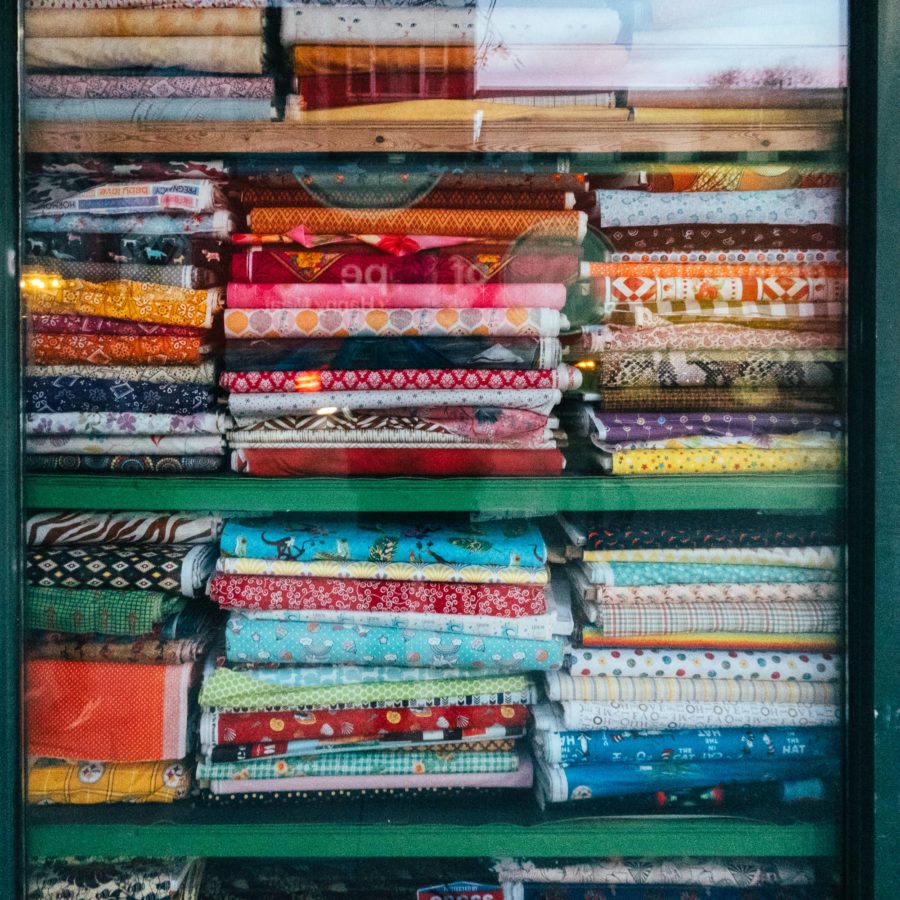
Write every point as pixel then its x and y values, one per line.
pixel 872 804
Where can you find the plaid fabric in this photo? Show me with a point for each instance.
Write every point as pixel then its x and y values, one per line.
pixel 75 611
pixel 784 617
pixel 96 782
pixel 389 762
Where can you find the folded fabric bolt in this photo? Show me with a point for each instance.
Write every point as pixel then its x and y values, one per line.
pixel 106 22
pixel 182 195
pixel 256 587
pixel 251 639
pixel 132 465
pixel 758 641
pixel 806 206
pixel 475 352
pixel 580 715
pixel 202 109
pixel 52 323
pixel 82 783
pixel 712 399
pixel 96 86
pixel 248 409
pixel 82 527
pixel 204 373
pixel 315 92
pixel 559 785
pixel 172 567
pixel 138 228
pixel 249 689
pixel 503 543
pixel 102 612
pixel 568 225
pixel 314 381
pixel 224 728
pixel 124 423
pixel 369 596
pixel 428 462
pixel 339 59
pixel 392 323
pixel 563 686
pixel 710 663
pixel 182 276
pixel 675 594
pixel 139 651
pixel 576 748
pixel 103 350
pixel 149 445
pixel 240 55
pixel 127 246
pixel 88 709
pixel 140 301
pixel 658 573
pixel 396 296
pixel 99 395
pixel 805 557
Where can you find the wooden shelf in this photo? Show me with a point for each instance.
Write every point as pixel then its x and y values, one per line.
pixel 397 828
pixel 528 496
pixel 558 136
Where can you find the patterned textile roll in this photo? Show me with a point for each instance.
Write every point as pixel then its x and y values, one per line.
pixel 675 177
pixel 340 59
pixel 357 264
pixel 93 86
pixel 202 374
pixel 131 465
pixel 132 445
pixel 66 527
pixel 51 323
pixel 135 247
pixel 714 399
pixel 105 349
pixel 503 224
pixel 723 460
pixel 176 276
pixel 393 296
pixel 59 395
pixel 323 323
pixel 109 423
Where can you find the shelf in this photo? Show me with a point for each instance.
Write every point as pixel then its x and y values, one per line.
pixel 556 136
pixel 371 829
pixel 527 496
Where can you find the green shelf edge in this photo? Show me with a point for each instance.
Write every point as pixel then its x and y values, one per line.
pixel 578 839
pixel 528 496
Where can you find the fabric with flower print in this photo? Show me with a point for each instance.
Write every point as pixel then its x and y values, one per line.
pixel 131 465
pixel 102 395
pixel 110 423
pixel 51 323
pixel 460 573
pixel 578 715
pixel 363 595
pixel 701 872
pixel 204 373
pixel 665 573
pixel 392 323
pixel 795 206
pixel 140 445
pixel 140 301
pixel 711 663
pixel 96 879
pixel 587 782
pixel 349 296
pixel 224 728
pixel 561 686
pixel 366 762
pixel 250 639
pixel 105 349
pixel 502 543
pixel 80 709
pixel 97 86
pixel 82 783
pixel 576 748
pixel 230 689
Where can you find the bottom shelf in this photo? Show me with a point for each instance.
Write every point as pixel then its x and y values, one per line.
pixel 369 827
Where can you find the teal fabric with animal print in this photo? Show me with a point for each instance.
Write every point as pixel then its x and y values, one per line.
pixel 503 543
pixel 255 640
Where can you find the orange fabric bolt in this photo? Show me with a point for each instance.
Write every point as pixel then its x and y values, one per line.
pixel 103 349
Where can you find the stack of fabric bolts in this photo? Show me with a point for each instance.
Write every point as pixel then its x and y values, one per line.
pixel 122 263
pixel 415 335
pixel 114 651
pixel 137 879
pixel 634 878
pixel 705 656
pixel 92 60
pixel 376 656
pixel 717 338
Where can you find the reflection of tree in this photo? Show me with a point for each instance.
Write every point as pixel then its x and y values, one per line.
pixel 771 77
